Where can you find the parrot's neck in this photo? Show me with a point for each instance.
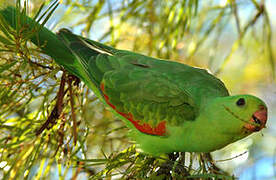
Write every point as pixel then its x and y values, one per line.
pixel 200 135
pixel 204 96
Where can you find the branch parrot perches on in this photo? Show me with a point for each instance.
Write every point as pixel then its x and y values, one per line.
pixel 167 106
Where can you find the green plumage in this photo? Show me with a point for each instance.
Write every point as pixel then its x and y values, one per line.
pixel 167 106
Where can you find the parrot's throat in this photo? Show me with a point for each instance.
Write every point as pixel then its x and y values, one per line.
pixel 159 129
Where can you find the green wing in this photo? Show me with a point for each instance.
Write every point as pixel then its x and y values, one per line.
pixel 150 96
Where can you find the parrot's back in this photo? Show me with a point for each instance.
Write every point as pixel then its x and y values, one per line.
pixel 102 63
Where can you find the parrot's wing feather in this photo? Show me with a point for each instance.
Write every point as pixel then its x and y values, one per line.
pixel 133 85
pixel 147 98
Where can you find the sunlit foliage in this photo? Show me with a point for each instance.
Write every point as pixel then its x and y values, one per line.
pixel 52 125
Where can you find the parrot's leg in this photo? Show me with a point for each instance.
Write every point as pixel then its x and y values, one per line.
pixel 164 169
pixel 175 165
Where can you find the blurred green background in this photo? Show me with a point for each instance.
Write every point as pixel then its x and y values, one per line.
pixel 233 39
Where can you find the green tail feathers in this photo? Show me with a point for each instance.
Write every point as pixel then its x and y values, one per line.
pixel 45 39
pixel 75 53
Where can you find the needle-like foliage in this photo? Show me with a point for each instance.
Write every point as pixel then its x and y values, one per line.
pixel 53 126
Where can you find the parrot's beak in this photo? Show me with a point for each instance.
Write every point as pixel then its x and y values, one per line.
pixel 258 120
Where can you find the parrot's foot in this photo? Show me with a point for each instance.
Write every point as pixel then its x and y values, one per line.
pixel 173 166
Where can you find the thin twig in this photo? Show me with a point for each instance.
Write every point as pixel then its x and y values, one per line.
pixel 70 80
pixel 228 159
pixel 236 15
pixel 40 65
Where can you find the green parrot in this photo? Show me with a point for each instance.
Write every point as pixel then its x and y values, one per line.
pixel 167 106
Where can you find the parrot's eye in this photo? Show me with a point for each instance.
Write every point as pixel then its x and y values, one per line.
pixel 240 102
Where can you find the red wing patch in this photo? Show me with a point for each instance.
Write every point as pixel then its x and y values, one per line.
pixel 159 130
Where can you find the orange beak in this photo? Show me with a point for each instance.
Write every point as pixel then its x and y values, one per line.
pixel 258 120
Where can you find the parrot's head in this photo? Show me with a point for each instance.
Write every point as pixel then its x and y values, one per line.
pixel 241 114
